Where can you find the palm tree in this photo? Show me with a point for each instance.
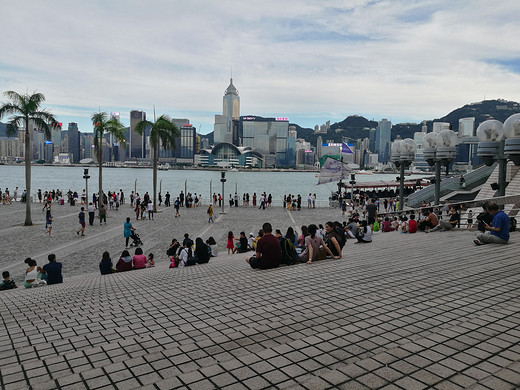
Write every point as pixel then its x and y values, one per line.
pixel 162 133
pixel 24 109
pixel 103 125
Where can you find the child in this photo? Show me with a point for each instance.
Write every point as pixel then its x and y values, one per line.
pixel 48 225
pixel 212 246
pixel 230 244
pixel 151 262
pixel 210 213
pixel 250 241
pixel 7 283
pixel 470 219
pixel 404 224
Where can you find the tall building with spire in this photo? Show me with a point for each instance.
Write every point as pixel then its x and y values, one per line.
pixel 224 127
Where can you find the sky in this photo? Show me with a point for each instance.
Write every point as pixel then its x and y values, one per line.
pixel 307 60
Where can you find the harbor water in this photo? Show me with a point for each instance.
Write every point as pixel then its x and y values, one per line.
pixel 204 182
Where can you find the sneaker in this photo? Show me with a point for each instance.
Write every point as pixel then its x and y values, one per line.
pixel 77 232
pixel 478 242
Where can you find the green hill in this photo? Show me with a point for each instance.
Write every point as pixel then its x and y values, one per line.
pixel 355 126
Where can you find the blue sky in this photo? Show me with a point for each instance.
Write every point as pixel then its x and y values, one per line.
pixel 310 61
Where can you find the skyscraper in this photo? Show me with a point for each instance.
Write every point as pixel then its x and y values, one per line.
pixel 136 145
pixel 223 128
pixel 74 142
pixel 383 134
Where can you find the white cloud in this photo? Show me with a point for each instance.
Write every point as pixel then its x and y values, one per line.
pixel 405 59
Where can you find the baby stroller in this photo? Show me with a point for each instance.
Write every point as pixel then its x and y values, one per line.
pixel 137 240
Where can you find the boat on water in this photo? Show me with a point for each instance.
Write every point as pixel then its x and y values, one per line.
pixel 164 167
pixel 363 172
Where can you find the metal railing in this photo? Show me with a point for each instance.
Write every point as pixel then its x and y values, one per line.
pixel 471 180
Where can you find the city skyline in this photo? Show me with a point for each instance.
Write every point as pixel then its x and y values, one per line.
pixel 402 60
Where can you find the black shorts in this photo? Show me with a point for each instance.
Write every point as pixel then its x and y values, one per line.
pixel 371 220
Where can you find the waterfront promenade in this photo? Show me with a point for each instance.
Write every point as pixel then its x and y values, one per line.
pixel 405 312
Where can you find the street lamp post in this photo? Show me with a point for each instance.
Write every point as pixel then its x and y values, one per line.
pixel 440 149
pixel 223 180
pixel 402 155
pixel 86 177
pixel 500 142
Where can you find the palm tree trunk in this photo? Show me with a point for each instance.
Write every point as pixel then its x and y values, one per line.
pixel 28 158
pixel 100 177
pixel 155 158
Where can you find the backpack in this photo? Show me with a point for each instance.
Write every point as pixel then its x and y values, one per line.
pixel 512 224
pixel 340 236
pixel 190 260
pixel 376 226
pixel 289 255
pixel 174 261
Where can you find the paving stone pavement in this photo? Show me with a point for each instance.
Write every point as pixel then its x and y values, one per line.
pixel 405 312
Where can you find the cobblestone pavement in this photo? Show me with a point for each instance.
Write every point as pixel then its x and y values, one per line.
pixel 405 312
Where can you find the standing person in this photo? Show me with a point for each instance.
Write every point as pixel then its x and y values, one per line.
pixel 39 195
pixel 81 217
pixel 128 231
pixel 91 214
pixel 262 202
pixel 268 251
pixel 176 205
pixel 210 213
pixel 53 270
pixel 299 202
pixel 132 196
pixel 48 225
pixel 167 199
pixel 181 198
pixel 498 231
pixel 470 219
pixel 313 201
pixel 160 198
pixel 102 214
pixel 150 210
pixel 254 199
pixel 230 244
pixel 372 212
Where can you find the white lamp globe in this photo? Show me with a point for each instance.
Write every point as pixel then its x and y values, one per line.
pixel 490 131
pixel 430 141
pixel 446 139
pixel 512 126
pixel 408 146
pixel 396 148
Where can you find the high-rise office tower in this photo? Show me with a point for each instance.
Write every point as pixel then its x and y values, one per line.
pixel 74 141
pixel 383 134
pixel 136 145
pixel 223 128
pixel 466 127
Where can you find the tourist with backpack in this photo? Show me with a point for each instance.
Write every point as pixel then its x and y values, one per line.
pixel 186 256
pixel 289 255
